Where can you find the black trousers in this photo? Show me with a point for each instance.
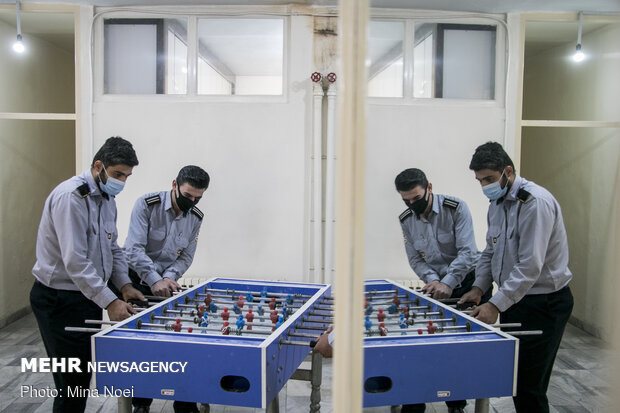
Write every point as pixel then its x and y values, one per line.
pixel 456 293
pixel 54 310
pixel 549 313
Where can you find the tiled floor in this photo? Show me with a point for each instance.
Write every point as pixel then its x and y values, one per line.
pixel 579 382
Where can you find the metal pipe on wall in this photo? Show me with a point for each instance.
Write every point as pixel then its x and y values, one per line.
pixel 317 184
pixel 330 165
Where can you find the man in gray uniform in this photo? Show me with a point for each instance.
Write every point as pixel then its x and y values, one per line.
pixel 77 255
pixel 527 257
pixel 160 247
pixel 440 245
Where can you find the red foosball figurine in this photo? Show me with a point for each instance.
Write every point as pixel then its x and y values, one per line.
pixel 249 317
pixel 225 329
pixel 240 301
pixel 274 316
pixel 381 315
pixel 177 326
pixel 225 314
pixel 272 303
pixel 396 300
pixel 208 300
pixel 383 329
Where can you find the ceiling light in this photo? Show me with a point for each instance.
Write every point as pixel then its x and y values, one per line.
pixel 18 46
pixel 579 56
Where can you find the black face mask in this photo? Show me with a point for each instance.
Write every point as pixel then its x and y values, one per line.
pixel 184 203
pixel 419 206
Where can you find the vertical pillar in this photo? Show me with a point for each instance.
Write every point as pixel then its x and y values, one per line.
pixel 348 352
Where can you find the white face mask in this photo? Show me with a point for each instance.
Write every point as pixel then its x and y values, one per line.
pixel 495 191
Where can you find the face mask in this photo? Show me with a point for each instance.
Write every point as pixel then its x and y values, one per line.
pixel 495 191
pixel 419 206
pixel 184 203
pixel 112 186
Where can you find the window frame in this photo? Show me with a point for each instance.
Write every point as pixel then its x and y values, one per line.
pixel 191 95
pixel 411 19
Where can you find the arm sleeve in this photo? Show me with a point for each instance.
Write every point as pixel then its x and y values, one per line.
pixel 135 245
pixel 119 264
pixel 417 263
pixel 70 215
pixel 536 220
pixel 484 276
pixel 182 263
pixel 467 251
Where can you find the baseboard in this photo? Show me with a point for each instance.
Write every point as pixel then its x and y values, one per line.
pixel 588 328
pixel 14 316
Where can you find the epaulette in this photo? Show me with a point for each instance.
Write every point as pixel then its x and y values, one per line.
pixel 152 200
pixel 523 195
pixel 406 214
pixel 197 212
pixel 84 190
pixel 450 203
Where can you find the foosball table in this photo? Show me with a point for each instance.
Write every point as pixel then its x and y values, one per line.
pixel 240 341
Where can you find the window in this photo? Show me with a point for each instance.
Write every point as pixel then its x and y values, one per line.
pixel 385 59
pixel 240 56
pixel 407 59
pixel 455 61
pixel 234 56
pixel 145 56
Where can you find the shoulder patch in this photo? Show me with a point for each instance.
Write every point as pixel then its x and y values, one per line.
pixel 450 203
pixel 523 195
pixel 197 212
pixel 152 200
pixel 406 214
pixel 84 190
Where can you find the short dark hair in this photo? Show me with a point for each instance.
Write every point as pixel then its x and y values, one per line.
pixel 409 179
pixel 491 156
pixel 116 151
pixel 193 175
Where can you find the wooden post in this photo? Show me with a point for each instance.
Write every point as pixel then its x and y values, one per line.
pixel 351 154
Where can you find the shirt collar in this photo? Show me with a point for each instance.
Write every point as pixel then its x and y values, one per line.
pixel 168 200
pixel 92 185
pixel 434 208
pixel 511 195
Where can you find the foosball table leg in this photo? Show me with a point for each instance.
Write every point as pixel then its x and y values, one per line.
pixel 316 376
pixel 204 408
pixel 274 406
pixel 124 405
pixel 482 406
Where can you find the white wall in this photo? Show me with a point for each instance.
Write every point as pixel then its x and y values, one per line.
pixel 438 139
pixel 259 156
pixel 34 156
pixel 580 166
pixel 256 153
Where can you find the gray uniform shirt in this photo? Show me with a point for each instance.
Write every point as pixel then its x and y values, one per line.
pixel 527 248
pixel 76 244
pixel 160 243
pixel 443 246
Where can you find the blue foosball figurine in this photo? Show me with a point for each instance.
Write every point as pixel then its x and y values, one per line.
pixel 368 324
pixel 369 309
pixel 264 292
pixel 280 321
pixel 289 299
pixel 392 309
pixel 240 324
pixel 213 307
pixel 249 298
pixel 403 324
pixel 236 309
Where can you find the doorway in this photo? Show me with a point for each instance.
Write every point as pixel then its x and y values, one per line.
pixel 570 144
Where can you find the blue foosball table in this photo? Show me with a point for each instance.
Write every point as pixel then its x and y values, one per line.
pixel 237 342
